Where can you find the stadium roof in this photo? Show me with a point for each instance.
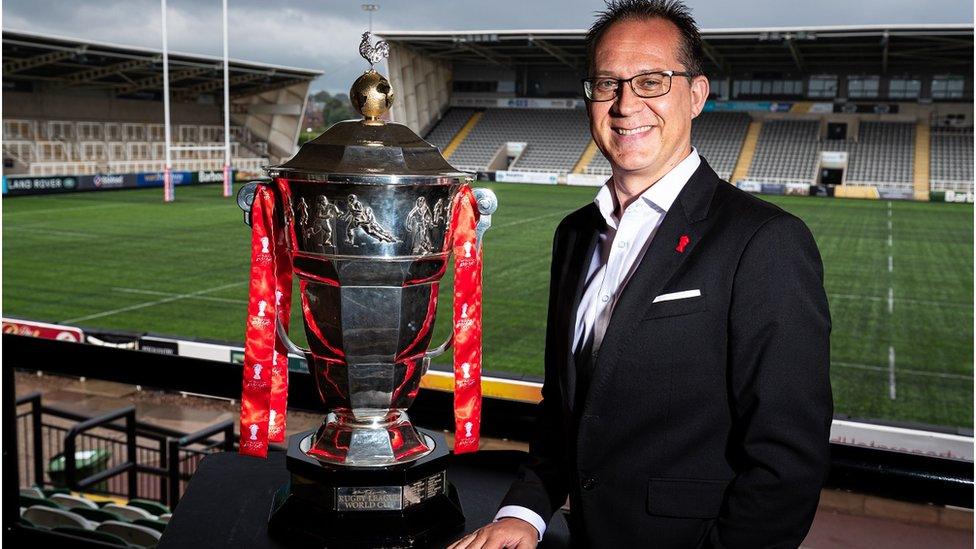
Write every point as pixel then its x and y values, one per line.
pixel 877 49
pixel 129 70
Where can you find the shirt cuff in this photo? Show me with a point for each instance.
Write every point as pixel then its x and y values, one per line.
pixel 524 513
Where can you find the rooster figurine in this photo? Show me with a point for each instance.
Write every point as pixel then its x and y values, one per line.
pixel 371 53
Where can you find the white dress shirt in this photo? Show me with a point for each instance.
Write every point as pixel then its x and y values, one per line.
pixel 622 244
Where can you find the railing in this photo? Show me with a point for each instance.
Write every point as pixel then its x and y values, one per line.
pixel 157 461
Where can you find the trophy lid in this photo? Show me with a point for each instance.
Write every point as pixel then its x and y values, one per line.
pixel 371 146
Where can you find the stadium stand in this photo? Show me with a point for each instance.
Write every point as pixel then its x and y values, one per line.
pixel 53 147
pixel 951 160
pixel 555 139
pixel 787 152
pixel 882 155
pixel 448 126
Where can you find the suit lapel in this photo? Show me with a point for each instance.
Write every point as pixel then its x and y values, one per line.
pixel 687 217
pixel 580 255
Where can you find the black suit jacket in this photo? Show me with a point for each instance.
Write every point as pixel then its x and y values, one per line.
pixel 707 419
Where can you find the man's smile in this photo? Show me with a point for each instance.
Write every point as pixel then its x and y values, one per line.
pixel 632 131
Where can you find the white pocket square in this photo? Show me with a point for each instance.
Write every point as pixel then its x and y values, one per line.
pixel 677 295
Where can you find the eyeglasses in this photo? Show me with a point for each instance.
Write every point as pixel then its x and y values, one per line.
pixel 646 85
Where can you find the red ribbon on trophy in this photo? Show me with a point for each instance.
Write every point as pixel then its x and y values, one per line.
pixel 264 396
pixel 265 378
pixel 467 323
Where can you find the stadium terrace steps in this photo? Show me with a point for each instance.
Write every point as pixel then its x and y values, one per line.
pixel 787 151
pixel 748 151
pixel 922 153
pixel 586 157
pixel 442 134
pixel 883 155
pixel 462 134
pixel 951 159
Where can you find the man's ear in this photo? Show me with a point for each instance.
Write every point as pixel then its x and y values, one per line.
pixel 699 94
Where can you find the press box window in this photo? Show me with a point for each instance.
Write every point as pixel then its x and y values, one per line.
pixel 863 87
pixel 947 87
pixel 822 86
pixel 904 88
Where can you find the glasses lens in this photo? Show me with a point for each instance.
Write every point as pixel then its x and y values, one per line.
pixel 651 85
pixel 601 89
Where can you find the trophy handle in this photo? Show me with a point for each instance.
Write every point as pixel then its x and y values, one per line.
pixel 440 349
pixel 282 336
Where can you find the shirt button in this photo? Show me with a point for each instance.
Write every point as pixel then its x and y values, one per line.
pixel 589 483
pixel 604 298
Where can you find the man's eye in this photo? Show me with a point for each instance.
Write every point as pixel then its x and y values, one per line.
pixel 650 83
pixel 606 84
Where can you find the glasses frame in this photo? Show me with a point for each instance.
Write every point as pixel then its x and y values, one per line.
pixel 620 81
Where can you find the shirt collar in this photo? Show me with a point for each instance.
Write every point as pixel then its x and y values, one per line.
pixel 660 196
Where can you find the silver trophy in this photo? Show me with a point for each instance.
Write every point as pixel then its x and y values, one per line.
pixel 367 208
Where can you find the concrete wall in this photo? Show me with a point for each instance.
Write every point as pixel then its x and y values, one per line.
pixel 422 88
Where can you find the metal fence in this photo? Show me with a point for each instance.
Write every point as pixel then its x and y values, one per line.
pixel 112 453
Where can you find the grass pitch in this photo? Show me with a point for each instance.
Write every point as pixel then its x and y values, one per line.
pixel 901 296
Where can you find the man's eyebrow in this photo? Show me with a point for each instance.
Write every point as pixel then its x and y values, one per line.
pixel 612 74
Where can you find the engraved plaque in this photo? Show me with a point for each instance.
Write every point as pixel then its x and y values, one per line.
pixel 370 498
pixel 424 489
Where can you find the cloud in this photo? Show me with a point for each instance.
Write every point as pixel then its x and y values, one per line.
pixel 324 35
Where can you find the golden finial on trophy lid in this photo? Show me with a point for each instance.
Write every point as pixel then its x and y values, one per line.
pixel 371 94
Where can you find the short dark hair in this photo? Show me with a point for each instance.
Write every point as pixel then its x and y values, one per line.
pixel 689 52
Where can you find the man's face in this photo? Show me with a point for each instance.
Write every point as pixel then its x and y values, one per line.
pixel 644 136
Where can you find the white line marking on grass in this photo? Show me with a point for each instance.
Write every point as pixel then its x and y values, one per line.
pixel 903 300
pixel 529 220
pixel 890 263
pixel 171 294
pixel 892 392
pixel 68 209
pixel 889 224
pixel 175 297
pixel 51 232
pixel 891 299
pixel 902 371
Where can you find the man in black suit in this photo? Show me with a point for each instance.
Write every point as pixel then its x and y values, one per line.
pixel 687 399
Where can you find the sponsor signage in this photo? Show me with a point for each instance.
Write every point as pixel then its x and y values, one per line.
pixel 42 330
pixel 749 186
pixel 106 181
pixel 586 180
pixel 159 346
pixel 156 179
pixel 742 106
pixel 866 108
pixel 211 176
pixel 902 440
pixel 798 189
pixel 772 188
pixel 544 178
pixel 958 196
pixel 41 185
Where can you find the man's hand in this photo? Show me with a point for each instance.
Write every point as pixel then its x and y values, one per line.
pixel 509 532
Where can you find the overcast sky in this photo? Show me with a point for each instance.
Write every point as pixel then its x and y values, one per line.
pixel 324 35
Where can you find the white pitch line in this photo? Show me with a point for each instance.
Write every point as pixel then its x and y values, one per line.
pixel 892 391
pixel 529 220
pixel 903 300
pixel 890 264
pixel 151 303
pixel 889 224
pixel 901 371
pixel 891 299
pixel 171 294
pixel 889 239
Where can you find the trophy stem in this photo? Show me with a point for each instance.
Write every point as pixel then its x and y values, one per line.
pixel 345 440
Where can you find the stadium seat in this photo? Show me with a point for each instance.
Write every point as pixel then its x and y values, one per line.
pixel 153 507
pixel 951 159
pixel 69 501
pixel 130 513
pixel 30 501
pixel 165 517
pixel 93 535
pixel 98 515
pixel 32 492
pixel 47 517
pixel 157 525
pixel 133 534
pixel 48 492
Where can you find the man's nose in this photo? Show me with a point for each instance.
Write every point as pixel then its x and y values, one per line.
pixel 627 102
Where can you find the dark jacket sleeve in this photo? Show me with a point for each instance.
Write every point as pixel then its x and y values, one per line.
pixel 779 361
pixel 542 483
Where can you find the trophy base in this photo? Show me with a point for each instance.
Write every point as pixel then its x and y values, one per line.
pixel 333 506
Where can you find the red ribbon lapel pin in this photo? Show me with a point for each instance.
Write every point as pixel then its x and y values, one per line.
pixel 682 242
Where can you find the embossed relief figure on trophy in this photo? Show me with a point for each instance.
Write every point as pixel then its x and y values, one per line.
pixel 360 216
pixel 318 227
pixel 420 222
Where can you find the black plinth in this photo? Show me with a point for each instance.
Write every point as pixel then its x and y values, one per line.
pixel 404 505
